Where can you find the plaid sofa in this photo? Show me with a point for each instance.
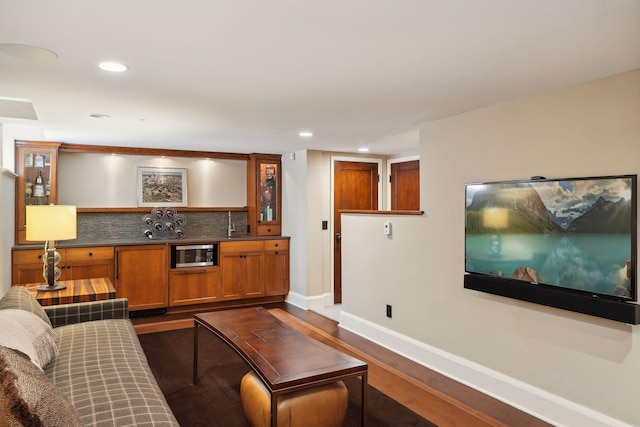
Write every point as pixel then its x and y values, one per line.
pixel 100 365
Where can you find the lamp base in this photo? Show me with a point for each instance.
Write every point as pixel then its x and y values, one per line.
pixel 55 287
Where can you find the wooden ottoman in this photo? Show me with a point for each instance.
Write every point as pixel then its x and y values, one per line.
pixel 321 406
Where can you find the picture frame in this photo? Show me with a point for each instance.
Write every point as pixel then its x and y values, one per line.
pixel 162 186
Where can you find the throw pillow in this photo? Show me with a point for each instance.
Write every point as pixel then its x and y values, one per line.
pixel 28 397
pixel 24 331
pixel 20 297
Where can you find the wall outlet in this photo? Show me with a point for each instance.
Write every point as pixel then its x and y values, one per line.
pixel 389 314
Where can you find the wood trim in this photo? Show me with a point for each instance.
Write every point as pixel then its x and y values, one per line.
pixel 365 212
pixel 83 148
pixel 48 144
pixel 145 209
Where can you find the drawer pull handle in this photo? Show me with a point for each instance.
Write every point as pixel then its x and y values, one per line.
pixel 90 253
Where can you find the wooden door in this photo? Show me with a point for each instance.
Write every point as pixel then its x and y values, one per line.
pixel 90 269
pixel 276 267
pixel 252 286
pixel 142 276
pixel 193 285
pixel 405 186
pixel 232 269
pixel 355 188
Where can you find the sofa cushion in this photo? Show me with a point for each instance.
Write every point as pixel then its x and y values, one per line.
pixel 103 370
pixel 28 397
pixel 24 331
pixel 20 297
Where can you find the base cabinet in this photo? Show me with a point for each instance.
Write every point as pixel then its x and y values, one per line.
pixel 194 286
pixel 141 273
pixel 241 267
pixel 276 267
pixel 142 276
pixel 75 264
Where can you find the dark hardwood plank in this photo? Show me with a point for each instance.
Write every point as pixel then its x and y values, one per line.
pixel 426 392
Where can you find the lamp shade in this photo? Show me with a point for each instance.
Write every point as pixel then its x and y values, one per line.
pixel 51 222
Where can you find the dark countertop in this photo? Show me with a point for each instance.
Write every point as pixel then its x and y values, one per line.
pixel 139 241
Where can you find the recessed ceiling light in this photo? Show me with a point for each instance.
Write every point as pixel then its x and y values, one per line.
pixel 99 116
pixel 306 134
pixel 363 150
pixel 27 51
pixel 114 67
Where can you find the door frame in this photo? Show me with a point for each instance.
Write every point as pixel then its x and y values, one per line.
pixel 333 160
pixel 388 174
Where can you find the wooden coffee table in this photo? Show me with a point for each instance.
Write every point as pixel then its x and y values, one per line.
pixel 286 360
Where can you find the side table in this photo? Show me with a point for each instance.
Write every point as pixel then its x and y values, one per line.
pixel 82 290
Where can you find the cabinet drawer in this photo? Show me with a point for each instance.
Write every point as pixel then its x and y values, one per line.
pixel 268 230
pixel 87 254
pixel 28 257
pixel 245 246
pixel 276 245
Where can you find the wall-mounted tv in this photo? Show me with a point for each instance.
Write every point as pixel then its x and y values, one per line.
pixel 566 243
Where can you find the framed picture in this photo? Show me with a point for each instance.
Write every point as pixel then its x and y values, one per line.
pixel 162 186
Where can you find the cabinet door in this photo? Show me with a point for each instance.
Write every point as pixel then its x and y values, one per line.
pixel 23 274
pixel 253 284
pixel 34 161
pixel 26 266
pixel 276 273
pixel 193 286
pixel 91 269
pixel 142 276
pixel 276 267
pixel 232 269
pixel 264 195
pixel 241 275
pixel 88 263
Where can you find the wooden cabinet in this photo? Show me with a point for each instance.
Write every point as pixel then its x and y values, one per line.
pixel 194 285
pixel 141 273
pixel 264 195
pixel 75 264
pixel 142 276
pixel 241 268
pixel 36 166
pixel 276 267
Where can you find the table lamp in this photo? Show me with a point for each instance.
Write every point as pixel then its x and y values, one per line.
pixel 51 223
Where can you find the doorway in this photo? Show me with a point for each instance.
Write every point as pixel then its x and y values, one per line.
pixel 404 185
pixel 356 187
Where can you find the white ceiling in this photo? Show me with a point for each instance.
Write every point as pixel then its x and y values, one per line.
pixel 248 75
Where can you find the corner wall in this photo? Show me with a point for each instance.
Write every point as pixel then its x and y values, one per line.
pixel 568 368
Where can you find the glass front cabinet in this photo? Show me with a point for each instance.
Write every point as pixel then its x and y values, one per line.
pixel 36 166
pixel 264 195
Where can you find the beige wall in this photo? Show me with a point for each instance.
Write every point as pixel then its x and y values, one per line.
pixel 307 200
pixel 550 355
pixel 103 180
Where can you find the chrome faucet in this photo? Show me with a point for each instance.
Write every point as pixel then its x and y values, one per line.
pixel 231 227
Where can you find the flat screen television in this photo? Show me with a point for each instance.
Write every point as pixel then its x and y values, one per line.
pixel 568 243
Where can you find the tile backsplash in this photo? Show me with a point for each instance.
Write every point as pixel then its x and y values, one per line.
pixel 130 226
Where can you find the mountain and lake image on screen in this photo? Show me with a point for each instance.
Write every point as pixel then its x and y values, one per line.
pixel 577 234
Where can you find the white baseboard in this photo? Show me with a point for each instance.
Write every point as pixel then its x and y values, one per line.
pixel 309 303
pixel 539 403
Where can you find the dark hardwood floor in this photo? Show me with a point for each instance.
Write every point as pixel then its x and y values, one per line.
pixel 435 397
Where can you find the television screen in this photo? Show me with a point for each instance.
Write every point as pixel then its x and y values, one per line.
pixel 577 234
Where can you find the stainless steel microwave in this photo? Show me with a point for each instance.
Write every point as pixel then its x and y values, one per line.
pixel 193 255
